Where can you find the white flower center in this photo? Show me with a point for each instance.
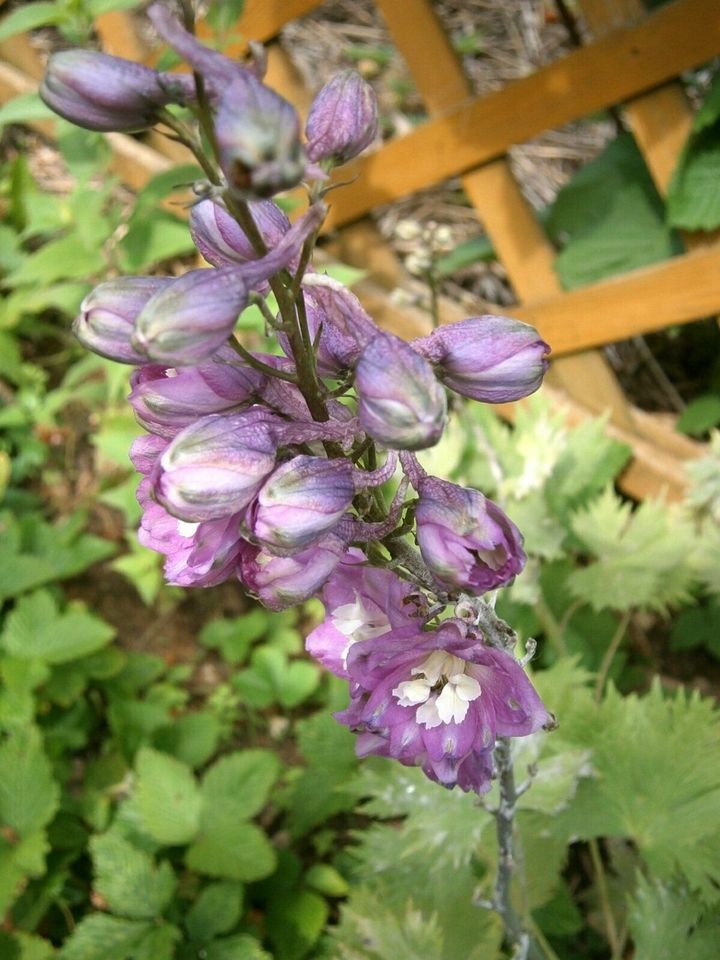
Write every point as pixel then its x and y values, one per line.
pixel 356 623
pixel 440 689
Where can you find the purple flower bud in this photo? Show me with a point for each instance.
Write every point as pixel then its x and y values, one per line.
pixel 187 321
pixel 258 137
pixel 342 119
pixel 214 467
pixel 400 402
pixel 217 70
pixel 362 602
pixel 465 539
pixel 100 92
pixel 281 582
pixel 108 313
pixel 337 322
pixel 222 242
pixel 303 500
pixel 166 399
pixel 439 701
pixel 492 359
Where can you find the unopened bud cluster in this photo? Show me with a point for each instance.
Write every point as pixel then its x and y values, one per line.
pixel 268 467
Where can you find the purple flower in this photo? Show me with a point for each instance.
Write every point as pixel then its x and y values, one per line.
pixel 107 316
pixel 100 92
pixel 222 242
pixel 304 499
pixel 465 539
pixel 215 466
pixel 342 119
pixel 362 602
pixel 492 359
pixel 400 402
pixel 166 399
pixel 281 582
pixel 439 701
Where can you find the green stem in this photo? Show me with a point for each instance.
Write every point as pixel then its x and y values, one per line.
pixel 605 906
pixel 607 660
pixel 552 628
pixel 252 361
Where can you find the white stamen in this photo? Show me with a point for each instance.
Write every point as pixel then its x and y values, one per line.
pixel 356 622
pixel 458 690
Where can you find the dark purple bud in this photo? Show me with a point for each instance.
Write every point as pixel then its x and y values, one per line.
pixel 466 540
pixel 400 402
pixel 492 359
pixel 342 119
pixel 221 240
pixel 258 137
pixel 100 92
pixel 214 467
pixel 337 323
pixel 166 399
pixel 216 69
pixel 192 317
pixel 281 582
pixel 303 500
pixel 107 316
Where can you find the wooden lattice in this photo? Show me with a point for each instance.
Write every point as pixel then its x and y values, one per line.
pixel 633 61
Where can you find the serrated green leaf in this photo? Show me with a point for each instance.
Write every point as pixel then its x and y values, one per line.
pixel 215 911
pixel 692 201
pixel 35 629
pixel 240 947
pixel 28 793
pixel 168 798
pixel 158 943
pixel 102 937
pixel 129 880
pixel 296 919
pixel 271 678
pixel 30 17
pixel 367 929
pixel 238 786
pixel 193 738
pixel 667 922
pixel 642 556
pixel 232 849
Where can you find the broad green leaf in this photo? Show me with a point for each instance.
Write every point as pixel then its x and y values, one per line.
pixel 158 943
pixel 102 937
pixel 215 911
pixel 129 880
pixel 709 112
pixel 28 793
pixel 296 919
pixel 33 947
pixel 230 848
pixel 65 297
pixel 693 202
pixel 36 629
pixel 271 678
pixel 240 947
pixel 234 638
pixel 700 416
pixel 29 17
pixel 168 798
pixel 27 106
pixel 66 258
pixel 667 923
pixel 697 627
pixel 154 239
pixel 193 738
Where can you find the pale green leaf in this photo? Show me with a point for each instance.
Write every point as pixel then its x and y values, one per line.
pixel 667 923
pixel 230 848
pixel 102 937
pixel 215 911
pixel 240 947
pixel 367 929
pixel 129 880
pixel 98 7
pixel 27 106
pixel 29 17
pixel 33 947
pixel 36 629
pixel 66 258
pixel 168 798
pixel 193 738
pixel 238 786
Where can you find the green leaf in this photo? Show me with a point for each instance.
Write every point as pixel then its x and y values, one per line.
pixel 168 798
pixel 692 201
pixel 642 556
pixel 326 880
pixel 65 297
pixel 33 948
pixel 101 937
pixel 709 112
pixel 232 849
pixel 368 929
pixel 66 258
pixel 271 678
pixel 29 17
pixel 25 107
pixel 697 627
pixel 143 568
pixel 154 239
pixel 240 947
pixel 610 218
pixel 234 638
pixel 129 880
pixel 215 911
pixel 700 415
pixel 223 15
pixel 296 919
pixel 158 943
pixel 193 738
pixel 29 795
pixel 666 922
pixel 36 629
pixel 98 7
pixel 238 786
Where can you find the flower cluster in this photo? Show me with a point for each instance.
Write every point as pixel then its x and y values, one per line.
pixel 267 467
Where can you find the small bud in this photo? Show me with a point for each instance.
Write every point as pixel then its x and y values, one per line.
pixel 343 119
pixel 281 582
pixel 166 400
pixel 258 136
pixel 192 317
pixel 303 500
pixel 221 240
pixel 492 359
pixel 107 316
pixel 100 92
pixel 400 402
pixel 214 467
pixel 465 539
